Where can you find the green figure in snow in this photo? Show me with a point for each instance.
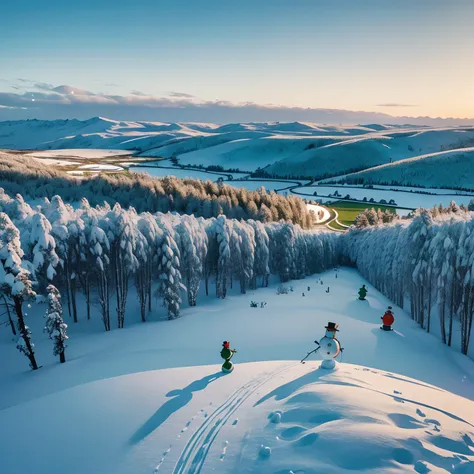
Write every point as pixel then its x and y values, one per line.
pixel 226 354
pixel 362 293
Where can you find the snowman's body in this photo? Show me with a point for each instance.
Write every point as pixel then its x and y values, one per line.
pixel 329 346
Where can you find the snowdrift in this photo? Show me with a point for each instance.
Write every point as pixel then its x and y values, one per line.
pixel 267 417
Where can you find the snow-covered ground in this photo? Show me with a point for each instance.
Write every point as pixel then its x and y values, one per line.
pixel 321 213
pixel 287 149
pixel 100 167
pixel 52 161
pixel 444 169
pixel 151 397
pixel 79 153
pixel 403 199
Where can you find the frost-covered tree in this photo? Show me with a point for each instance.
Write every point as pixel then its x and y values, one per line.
pixel 193 245
pixel 242 246
pixel 67 230
pixel 262 254
pixel 223 235
pixel 148 257
pixel 40 250
pixel 15 283
pixel 170 275
pixel 96 260
pixel 123 236
pixel 55 326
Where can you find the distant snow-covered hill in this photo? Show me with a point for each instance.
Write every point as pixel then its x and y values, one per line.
pixel 281 149
pixel 447 169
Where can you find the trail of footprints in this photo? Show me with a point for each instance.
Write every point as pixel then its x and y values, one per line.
pixel 185 428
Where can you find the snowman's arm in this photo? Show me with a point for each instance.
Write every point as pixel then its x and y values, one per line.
pixel 316 342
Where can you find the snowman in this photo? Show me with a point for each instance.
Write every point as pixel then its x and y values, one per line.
pixel 329 347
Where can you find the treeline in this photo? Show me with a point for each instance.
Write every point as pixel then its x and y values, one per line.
pixel 101 252
pixel 429 262
pixel 19 174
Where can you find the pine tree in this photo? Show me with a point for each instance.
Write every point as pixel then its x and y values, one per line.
pixel 170 276
pixel 55 326
pixel 15 283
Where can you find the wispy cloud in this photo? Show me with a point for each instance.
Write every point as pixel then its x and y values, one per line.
pixel 181 94
pixel 46 101
pixel 391 104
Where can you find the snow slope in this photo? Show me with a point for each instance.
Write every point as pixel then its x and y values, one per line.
pixel 404 406
pixel 77 153
pixel 446 169
pixel 401 198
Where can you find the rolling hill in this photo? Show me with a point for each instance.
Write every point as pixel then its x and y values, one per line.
pixel 292 149
pixel 447 169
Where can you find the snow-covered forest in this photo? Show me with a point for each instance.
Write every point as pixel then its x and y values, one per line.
pixel 426 265
pixel 19 174
pixel 101 252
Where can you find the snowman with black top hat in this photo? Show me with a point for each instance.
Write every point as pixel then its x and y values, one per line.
pixel 328 346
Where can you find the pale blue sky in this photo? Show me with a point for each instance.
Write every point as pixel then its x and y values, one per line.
pixel 393 56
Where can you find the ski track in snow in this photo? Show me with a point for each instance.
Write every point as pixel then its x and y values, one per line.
pixel 197 448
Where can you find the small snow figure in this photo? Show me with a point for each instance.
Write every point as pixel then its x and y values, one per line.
pixel 362 293
pixel 321 282
pixel 309 288
pixel 263 304
pixel 336 275
pixel 303 294
pixel 226 354
pixel 327 291
pixel 387 320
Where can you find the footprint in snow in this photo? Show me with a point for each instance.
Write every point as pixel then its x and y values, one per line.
pixel 157 468
pixel 186 427
pixel 236 421
pixel 431 421
pixel 420 413
pixel 397 392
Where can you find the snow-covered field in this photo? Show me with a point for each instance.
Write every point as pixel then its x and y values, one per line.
pixel 53 161
pixel 444 169
pixel 151 398
pixel 76 153
pixel 403 199
pixel 101 167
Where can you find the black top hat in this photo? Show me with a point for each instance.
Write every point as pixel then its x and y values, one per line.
pixel 389 307
pixel 332 327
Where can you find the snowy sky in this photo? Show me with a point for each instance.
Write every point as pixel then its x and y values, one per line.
pixel 121 59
